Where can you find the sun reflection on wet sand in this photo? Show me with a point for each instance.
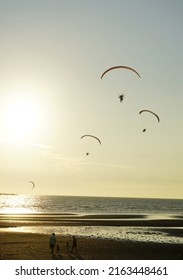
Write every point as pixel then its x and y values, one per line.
pixel 144 234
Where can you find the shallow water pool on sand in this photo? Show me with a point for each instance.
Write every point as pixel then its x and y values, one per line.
pixel 172 235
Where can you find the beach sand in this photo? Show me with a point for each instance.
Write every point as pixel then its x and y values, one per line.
pixel 35 246
pixel 28 246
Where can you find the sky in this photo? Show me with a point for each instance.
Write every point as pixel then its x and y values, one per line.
pixel 52 56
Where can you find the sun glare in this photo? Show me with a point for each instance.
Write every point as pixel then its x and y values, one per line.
pixel 20 118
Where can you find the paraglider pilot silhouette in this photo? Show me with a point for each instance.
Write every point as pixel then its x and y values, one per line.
pixel 121 97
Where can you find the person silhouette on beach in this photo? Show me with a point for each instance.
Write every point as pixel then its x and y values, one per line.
pixel 58 248
pixel 52 242
pixel 74 244
pixel 67 247
pixel 58 251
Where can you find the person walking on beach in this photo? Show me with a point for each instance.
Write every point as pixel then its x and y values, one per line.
pixel 58 248
pixel 67 247
pixel 74 244
pixel 58 251
pixel 52 242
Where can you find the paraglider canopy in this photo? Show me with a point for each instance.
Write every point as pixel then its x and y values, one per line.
pixel 121 96
pixel 151 112
pixel 33 184
pixel 120 67
pixel 89 135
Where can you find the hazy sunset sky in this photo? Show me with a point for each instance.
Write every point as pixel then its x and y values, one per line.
pixel 52 55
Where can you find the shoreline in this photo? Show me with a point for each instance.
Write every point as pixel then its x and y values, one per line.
pixel 29 246
pixel 68 219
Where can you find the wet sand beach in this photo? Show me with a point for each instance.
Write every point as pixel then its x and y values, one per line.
pixel 33 246
pixel 68 219
pixel 27 246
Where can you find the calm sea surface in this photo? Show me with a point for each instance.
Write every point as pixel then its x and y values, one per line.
pixel 40 206
pixel 88 205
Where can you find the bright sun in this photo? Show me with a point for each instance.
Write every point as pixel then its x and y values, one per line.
pixel 20 118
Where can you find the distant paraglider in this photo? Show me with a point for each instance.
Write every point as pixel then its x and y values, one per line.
pixel 33 184
pixel 120 67
pixel 121 96
pixel 148 111
pixel 92 136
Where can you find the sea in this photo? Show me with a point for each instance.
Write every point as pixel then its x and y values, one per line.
pixel 81 211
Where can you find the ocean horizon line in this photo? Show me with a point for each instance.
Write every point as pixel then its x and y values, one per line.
pixel 92 196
